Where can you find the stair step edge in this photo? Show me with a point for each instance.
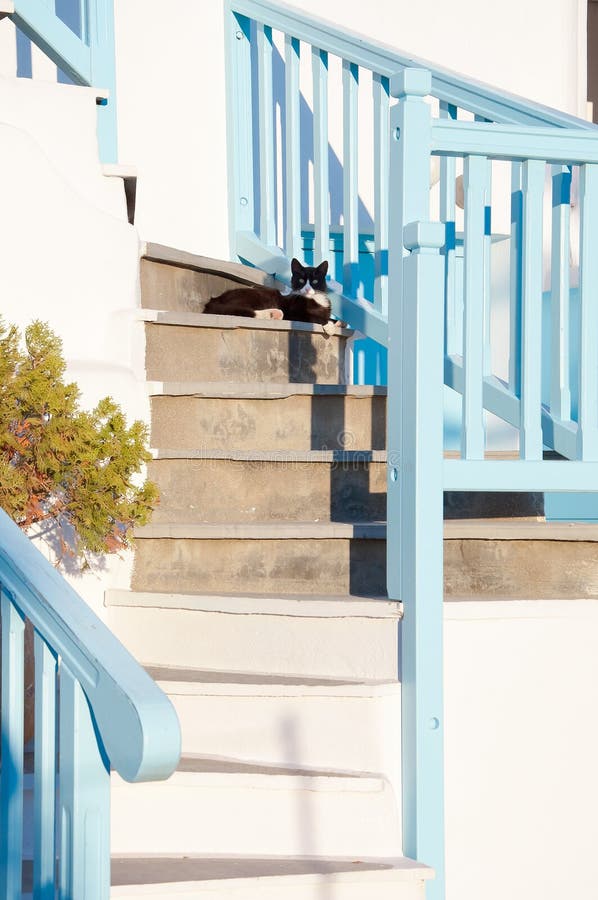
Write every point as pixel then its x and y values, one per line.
pixel 260 390
pixel 276 872
pixel 181 682
pixel 454 529
pixel 305 606
pixel 188 319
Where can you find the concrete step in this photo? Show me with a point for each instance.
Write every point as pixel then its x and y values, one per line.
pixel 268 878
pixel 497 558
pixel 213 807
pixel 176 280
pixel 332 485
pixel 187 346
pixel 267 416
pixel 352 639
pixel 279 721
pixel 224 486
pixel 291 557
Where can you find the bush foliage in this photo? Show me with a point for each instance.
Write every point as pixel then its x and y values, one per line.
pixel 60 463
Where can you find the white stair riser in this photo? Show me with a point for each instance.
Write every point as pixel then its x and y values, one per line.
pixel 256 815
pixel 317 889
pixel 353 734
pixel 355 648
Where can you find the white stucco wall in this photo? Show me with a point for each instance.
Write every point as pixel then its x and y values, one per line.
pixel 521 740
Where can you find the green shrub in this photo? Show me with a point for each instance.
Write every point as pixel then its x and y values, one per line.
pixel 61 464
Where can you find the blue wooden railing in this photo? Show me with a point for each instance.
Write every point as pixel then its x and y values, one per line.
pixel 95 709
pixel 430 305
pixel 87 58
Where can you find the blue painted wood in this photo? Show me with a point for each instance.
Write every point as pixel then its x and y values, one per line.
pixel 519 475
pixel 493 105
pixel 530 439
pixel 292 149
pixel 515 276
pixel 560 390
pixel 100 30
pixel 239 126
pixel 414 531
pixel 487 354
pixel 452 306
pixel 43 27
pixel 350 180
pixel 125 700
pixel 11 771
pixel 44 790
pixel 266 136
pixel 321 186
pixel 381 99
pixel 474 185
pixel 415 487
pixel 84 869
pixel 588 292
pixel 514 142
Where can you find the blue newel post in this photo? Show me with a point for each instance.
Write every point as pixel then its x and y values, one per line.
pixel 415 459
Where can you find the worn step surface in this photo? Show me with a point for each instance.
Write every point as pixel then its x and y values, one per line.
pixel 223 486
pixel 291 557
pixel 213 807
pixel 311 723
pixel 247 416
pixel 176 280
pixel 335 637
pixel 186 346
pixel 268 878
pixel 493 557
pixel 336 485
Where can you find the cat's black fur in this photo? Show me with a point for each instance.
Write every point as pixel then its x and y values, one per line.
pixel 263 302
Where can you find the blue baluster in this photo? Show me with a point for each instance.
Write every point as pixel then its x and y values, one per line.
pixel 239 126
pixel 380 87
pixel 84 799
pixel 588 316
pixel 11 772
pixel 531 310
pixel 292 149
pixel 321 188
pixel 44 860
pixel 103 74
pixel 474 184
pixel 266 136
pixel 350 180
pixel 447 215
pixel 560 390
pixel 515 257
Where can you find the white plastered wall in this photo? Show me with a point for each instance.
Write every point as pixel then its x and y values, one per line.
pixel 521 687
pixel 70 258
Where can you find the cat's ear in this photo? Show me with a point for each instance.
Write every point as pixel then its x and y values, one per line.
pixel 296 266
pixel 323 268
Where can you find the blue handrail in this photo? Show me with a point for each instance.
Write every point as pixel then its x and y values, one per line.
pixel 88 59
pixel 110 715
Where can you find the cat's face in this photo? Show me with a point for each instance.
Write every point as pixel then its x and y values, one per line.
pixel 308 279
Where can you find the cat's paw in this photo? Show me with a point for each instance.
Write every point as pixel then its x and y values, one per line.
pixel 268 313
pixel 329 328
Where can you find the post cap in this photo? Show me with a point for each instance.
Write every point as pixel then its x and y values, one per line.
pixel 430 235
pixel 411 82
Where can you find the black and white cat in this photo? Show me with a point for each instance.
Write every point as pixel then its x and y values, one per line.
pixel 306 302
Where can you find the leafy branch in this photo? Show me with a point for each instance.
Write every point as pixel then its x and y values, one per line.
pixel 76 468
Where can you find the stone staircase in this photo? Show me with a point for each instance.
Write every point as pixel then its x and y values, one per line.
pixel 258 603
